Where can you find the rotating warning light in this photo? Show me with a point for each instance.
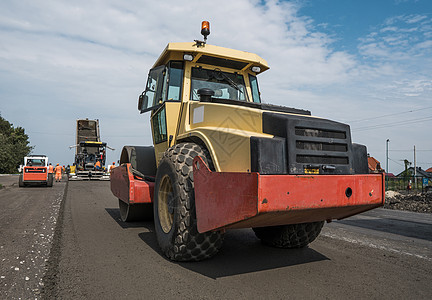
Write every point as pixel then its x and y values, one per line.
pixel 205 29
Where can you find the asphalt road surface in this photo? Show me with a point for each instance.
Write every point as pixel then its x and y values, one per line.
pixel 382 254
pixel 27 221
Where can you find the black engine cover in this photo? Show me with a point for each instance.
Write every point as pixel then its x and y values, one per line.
pixel 305 145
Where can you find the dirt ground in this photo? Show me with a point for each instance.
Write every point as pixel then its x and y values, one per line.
pixel 409 201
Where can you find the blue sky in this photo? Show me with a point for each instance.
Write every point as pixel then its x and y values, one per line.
pixel 350 20
pixel 365 63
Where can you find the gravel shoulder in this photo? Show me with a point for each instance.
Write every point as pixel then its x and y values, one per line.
pixel 28 217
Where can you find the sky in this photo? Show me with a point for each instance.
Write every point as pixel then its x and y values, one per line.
pixel 364 63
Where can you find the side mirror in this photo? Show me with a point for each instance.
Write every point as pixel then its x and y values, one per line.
pixel 142 102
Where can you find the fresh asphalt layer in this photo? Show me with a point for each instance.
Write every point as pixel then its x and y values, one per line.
pixel 380 254
pixel 384 254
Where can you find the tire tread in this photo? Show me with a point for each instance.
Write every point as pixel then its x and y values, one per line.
pixel 289 236
pixel 188 243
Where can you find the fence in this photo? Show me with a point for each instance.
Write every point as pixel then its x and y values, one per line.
pixel 419 184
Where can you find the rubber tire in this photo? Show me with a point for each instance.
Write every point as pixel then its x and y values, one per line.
pixel 50 180
pixel 21 181
pixel 135 212
pixel 183 242
pixel 289 236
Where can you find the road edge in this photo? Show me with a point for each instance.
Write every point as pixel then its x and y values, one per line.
pixel 50 279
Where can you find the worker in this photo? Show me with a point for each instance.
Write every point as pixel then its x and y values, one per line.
pixel 72 168
pixel 58 171
pixel 98 165
pixel 409 186
pixel 111 167
pixel 50 169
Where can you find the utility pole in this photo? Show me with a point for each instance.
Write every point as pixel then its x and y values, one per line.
pixel 387 163
pixel 415 169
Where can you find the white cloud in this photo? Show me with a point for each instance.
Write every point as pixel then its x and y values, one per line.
pixel 69 59
pixel 415 19
pixel 399 37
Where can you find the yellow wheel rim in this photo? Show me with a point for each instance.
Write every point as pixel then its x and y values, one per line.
pixel 165 204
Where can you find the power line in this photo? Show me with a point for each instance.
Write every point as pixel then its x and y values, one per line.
pixel 396 162
pixel 410 150
pixel 389 115
pixel 393 124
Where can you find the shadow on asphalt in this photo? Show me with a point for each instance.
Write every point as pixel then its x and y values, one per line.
pixel 241 253
pixel 115 214
pixel 31 187
pixel 400 227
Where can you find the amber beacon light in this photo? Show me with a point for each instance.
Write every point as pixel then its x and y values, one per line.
pixel 205 29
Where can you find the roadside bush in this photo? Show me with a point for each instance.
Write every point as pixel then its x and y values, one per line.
pixel 14 145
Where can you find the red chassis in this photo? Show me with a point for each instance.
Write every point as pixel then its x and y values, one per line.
pixel 226 200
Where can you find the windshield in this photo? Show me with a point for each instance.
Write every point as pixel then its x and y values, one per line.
pixel 91 158
pixel 225 85
pixel 90 155
pixel 35 162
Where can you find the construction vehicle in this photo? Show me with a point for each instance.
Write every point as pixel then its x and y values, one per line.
pixel 35 171
pixel 222 159
pixel 90 152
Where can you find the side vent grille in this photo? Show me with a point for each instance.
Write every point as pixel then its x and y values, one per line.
pixel 321 146
pixel 317 146
pixel 300 131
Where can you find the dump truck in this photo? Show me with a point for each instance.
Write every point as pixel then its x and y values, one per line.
pixel 90 152
pixel 35 172
pixel 221 159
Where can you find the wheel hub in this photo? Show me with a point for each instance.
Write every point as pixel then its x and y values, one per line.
pixel 166 204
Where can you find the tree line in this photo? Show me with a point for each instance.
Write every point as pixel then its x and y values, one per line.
pixel 14 145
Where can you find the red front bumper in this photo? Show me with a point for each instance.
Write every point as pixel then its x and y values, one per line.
pixel 243 200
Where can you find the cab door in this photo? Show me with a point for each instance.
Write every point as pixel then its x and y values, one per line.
pixel 162 97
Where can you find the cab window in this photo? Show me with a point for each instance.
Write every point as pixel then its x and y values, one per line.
pixel 175 80
pixel 225 85
pixel 163 83
pixel 153 91
pixel 159 126
pixel 254 87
